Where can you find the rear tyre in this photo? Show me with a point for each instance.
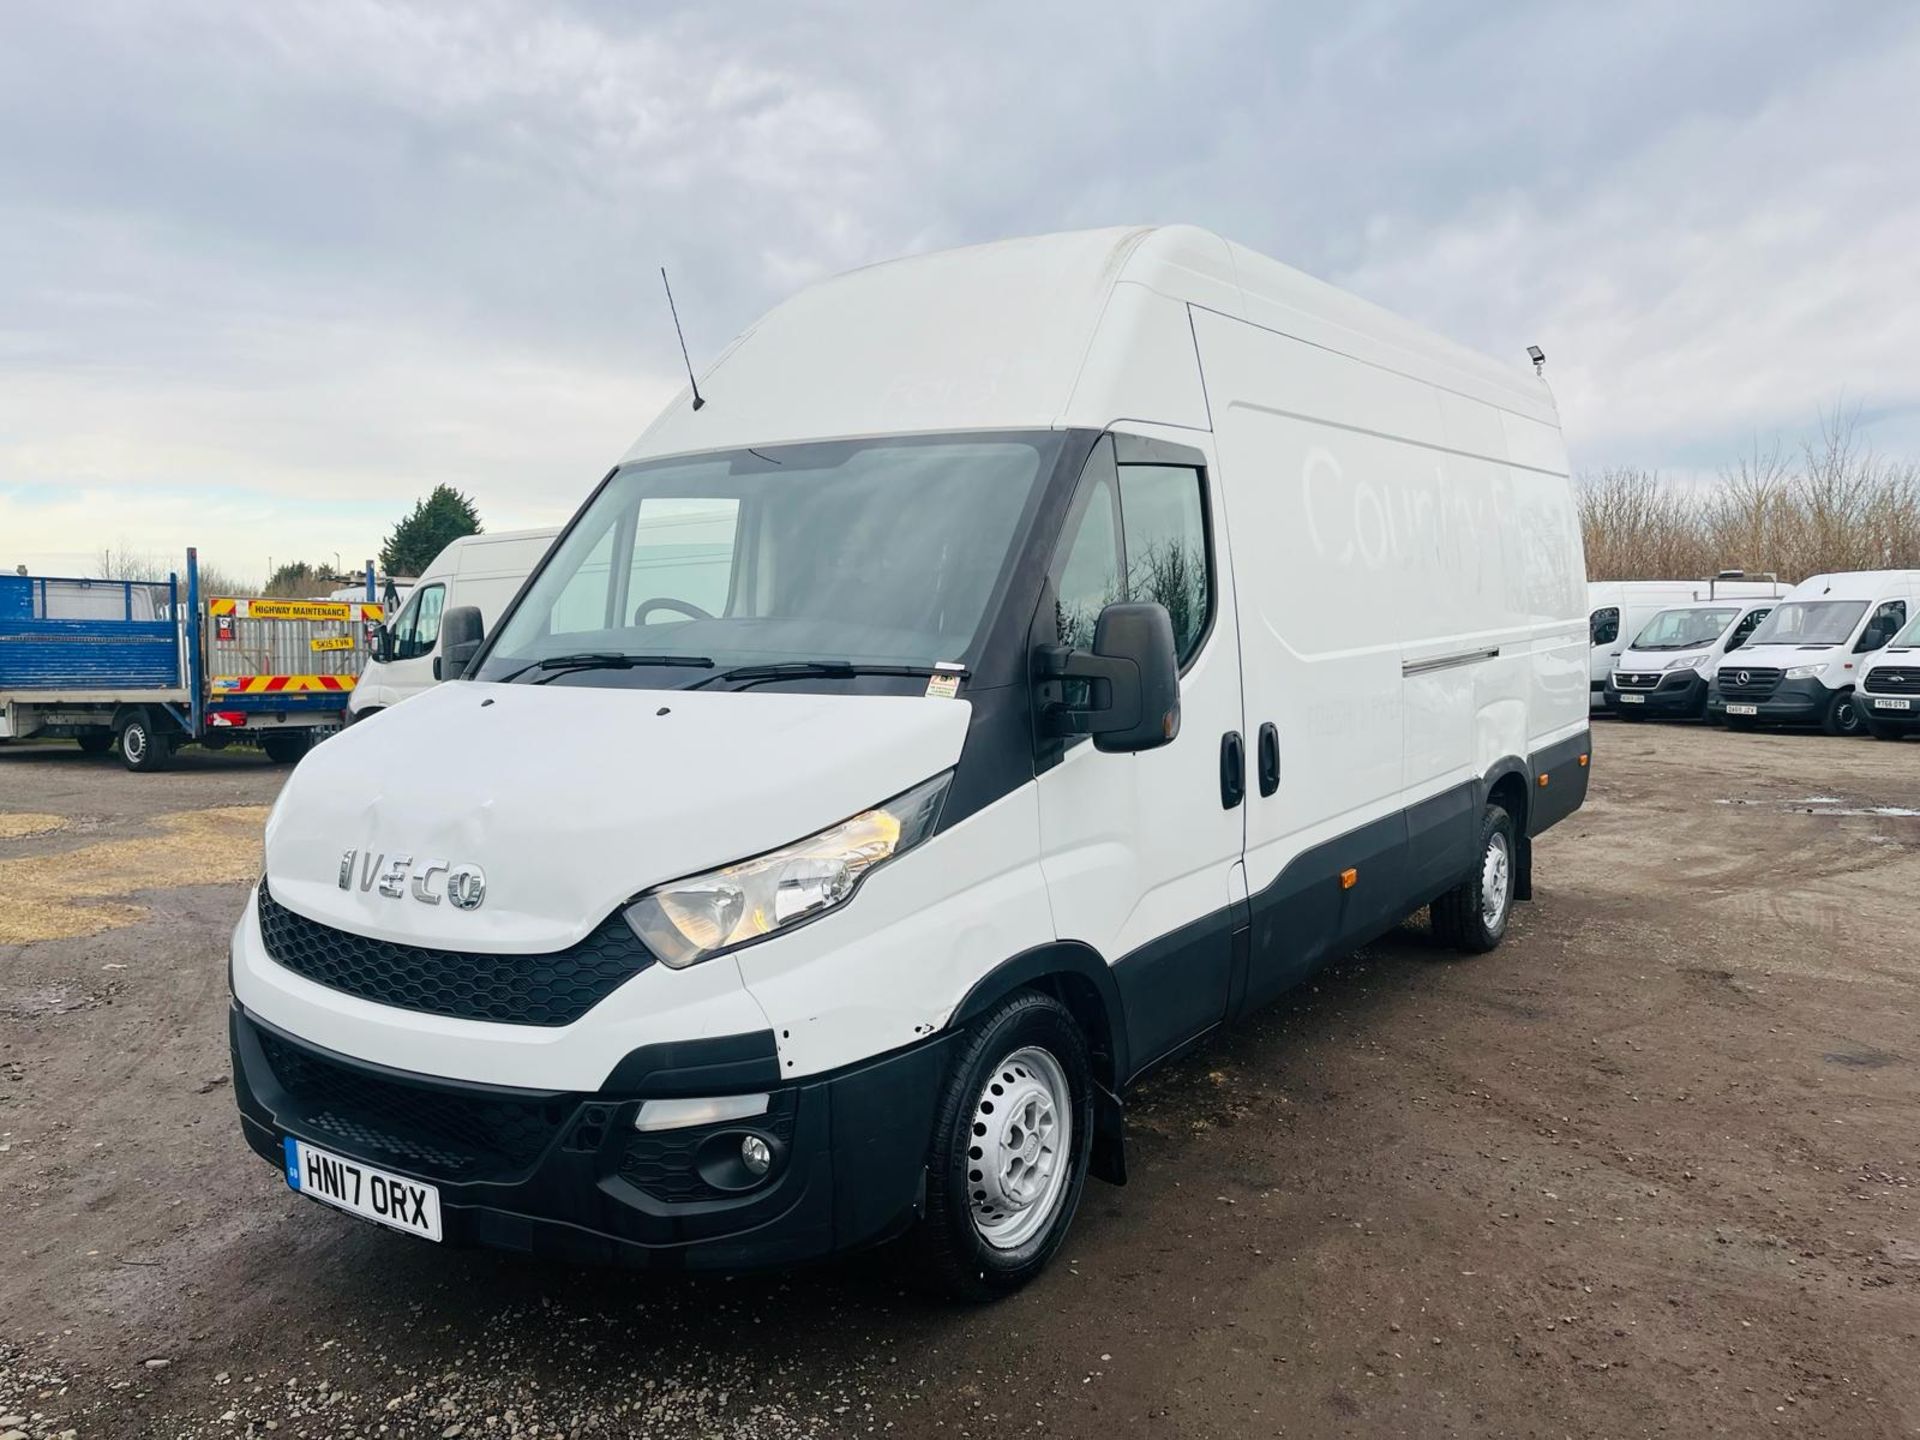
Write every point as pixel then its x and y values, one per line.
pixel 288 748
pixel 1472 917
pixel 96 744
pixel 144 747
pixel 1842 715
pixel 1008 1160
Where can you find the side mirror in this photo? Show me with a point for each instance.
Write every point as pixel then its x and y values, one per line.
pixel 461 632
pixel 382 644
pixel 1132 680
pixel 1873 638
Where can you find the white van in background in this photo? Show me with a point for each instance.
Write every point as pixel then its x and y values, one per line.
pixel 1801 665
pixel 1665 670
pixel 1617 610
pixel 483 571
pixel 1889 697
pixel 1029 658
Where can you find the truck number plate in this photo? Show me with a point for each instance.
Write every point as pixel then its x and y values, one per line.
pixel 1883 702
pixel 362 1190
pixel 1633 699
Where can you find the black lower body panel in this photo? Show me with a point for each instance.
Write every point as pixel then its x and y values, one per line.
pixel 566 1175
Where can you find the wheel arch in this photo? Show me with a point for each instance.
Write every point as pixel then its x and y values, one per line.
pixel 1076 975
pixel 1508 784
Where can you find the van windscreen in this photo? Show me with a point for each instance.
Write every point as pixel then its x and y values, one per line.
pixel 1810 622
pixel 871 552
pixel 1684 629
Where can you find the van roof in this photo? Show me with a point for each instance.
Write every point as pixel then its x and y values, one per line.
pixel 1856 585
pixel 457 555
pixel 1023 334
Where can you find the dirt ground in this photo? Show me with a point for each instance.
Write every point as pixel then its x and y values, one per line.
pixel 1649 1169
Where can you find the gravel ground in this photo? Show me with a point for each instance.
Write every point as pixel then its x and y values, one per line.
pixel 1648 1169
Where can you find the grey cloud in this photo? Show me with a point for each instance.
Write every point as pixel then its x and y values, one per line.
pixel 368 245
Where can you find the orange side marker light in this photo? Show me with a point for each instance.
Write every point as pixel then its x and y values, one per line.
pixel 1349 878
pixel 1583 762
pixel 1543 782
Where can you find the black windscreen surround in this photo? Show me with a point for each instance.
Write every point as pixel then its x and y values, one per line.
pixel 889 551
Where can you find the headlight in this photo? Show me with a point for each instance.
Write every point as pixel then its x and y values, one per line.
pixel 1685 662
pixel 703 915
pixel 1807 672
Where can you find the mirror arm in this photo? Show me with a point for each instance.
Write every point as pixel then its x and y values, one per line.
pixel 1056 663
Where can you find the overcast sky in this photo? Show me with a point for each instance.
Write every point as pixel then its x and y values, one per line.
pixel 270 271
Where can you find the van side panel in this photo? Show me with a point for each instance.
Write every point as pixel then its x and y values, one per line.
pixel 1413 609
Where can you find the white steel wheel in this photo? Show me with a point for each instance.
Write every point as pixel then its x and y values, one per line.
pixel 1496 882
pixel 1022 1147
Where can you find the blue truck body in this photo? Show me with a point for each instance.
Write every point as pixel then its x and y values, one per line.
pixel 86 659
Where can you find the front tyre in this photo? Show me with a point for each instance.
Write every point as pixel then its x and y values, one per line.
pixel 1008 1160
pixel 1472 917
pixel 1842 715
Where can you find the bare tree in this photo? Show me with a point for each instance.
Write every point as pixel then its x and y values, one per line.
pixel 1834 505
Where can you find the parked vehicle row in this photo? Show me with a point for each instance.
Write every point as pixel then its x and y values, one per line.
pixel 1835 651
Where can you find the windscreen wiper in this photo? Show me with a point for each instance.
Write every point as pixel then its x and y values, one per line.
pixel 608 660
pixel 748 675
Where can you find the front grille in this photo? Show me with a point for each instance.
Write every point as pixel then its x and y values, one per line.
pixel 1635 680
pixel 662 1162
pixel 551 989
pixel 1758 684
pixel 422 1128
pixel 1893 680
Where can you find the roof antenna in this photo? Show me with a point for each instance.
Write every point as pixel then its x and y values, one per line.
pixel 697 401
pixel 1534 353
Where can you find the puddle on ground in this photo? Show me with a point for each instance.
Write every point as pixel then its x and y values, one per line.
pixel 1829 805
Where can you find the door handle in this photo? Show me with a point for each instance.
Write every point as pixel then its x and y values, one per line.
pixel 1233 769
pixel 1269 758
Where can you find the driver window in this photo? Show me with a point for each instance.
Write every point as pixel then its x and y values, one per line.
pixel 682 559
pixel 418 629
pixel 1746 627
pixel 1605 626
pixel 1885 624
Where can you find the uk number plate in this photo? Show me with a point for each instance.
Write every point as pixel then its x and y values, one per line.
pixel 1743 709
pixel 362 1190
pixel 1882 702
pixel 1633 699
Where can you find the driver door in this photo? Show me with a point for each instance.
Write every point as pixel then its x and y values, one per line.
pixel 1141 851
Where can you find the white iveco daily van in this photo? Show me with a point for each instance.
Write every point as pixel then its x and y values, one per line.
pixel 482 571
pixel 1666 670
pixel 1802 663
pixel 1114 627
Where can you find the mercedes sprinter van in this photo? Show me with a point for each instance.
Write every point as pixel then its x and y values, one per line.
pixel 482 571
pixel 1801 665
pixel 1110 629
pixel 1666 669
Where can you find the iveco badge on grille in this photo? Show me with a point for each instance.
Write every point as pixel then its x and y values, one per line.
pixel 395 875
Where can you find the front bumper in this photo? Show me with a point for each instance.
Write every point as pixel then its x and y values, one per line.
pixel 1894 722
pixel 566 1176
pixel 1682 692
pixel 1792 702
